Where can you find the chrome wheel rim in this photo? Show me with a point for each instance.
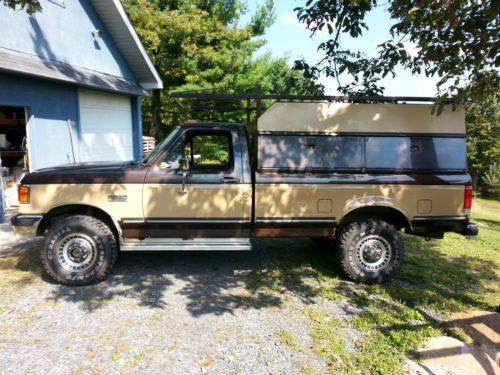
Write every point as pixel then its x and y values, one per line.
pixel 77 252
pixel 373 253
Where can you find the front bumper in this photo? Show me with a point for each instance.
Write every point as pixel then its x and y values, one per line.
pixel 26 225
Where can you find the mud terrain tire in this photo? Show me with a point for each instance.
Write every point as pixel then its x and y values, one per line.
pixel 79 250
pixel 370 251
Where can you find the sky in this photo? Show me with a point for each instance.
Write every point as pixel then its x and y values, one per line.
pixel 289 38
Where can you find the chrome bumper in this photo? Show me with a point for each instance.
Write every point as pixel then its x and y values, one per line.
pixel 26 225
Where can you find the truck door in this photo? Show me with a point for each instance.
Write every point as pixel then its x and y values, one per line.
pixel 212 199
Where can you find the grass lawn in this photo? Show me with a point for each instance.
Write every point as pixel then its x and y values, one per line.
pixel 438 278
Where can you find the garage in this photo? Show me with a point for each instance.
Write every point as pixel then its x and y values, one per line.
pixel 105 126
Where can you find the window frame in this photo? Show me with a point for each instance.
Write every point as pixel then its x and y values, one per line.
pixel 189 134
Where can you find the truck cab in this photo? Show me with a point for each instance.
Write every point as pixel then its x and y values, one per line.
pixel 353 175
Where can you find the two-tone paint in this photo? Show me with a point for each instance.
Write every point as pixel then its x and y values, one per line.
pixel 146 201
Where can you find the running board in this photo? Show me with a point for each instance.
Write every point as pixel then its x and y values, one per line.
pixel 189 244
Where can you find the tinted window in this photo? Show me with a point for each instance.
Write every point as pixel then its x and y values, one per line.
pixel 311 152
pixel 348 152
pixel 415 153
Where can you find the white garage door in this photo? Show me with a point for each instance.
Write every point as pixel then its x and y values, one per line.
pixel 106 126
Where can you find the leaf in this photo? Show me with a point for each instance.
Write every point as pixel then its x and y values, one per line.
pixel 454 39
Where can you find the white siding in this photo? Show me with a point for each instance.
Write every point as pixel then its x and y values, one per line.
pixel 106 126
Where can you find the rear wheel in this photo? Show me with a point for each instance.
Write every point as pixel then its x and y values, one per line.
pixel 79 250
pixel 370 251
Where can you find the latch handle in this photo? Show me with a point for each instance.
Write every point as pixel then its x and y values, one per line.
pixel 230 180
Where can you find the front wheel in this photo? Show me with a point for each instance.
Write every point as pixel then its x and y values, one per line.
pixel 79 250
pixel 370 251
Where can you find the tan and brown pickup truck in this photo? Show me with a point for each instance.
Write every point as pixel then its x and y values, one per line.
pixel 353 175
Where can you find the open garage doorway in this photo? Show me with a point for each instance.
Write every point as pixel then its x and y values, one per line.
pixel 13 150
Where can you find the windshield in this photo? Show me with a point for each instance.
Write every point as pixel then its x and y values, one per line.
pixel 160 147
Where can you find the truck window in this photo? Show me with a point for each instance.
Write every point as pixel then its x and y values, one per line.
pixel 174 154
pixel 209 149
pixel 416 153
pixel 348 153
pixel 158 149
pixel 204 150
pixel 311 152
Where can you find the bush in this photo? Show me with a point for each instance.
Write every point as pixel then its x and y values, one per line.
pixel 492 180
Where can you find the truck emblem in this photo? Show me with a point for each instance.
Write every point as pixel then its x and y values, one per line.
pixel 117 198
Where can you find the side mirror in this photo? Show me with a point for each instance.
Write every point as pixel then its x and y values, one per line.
pixel 183 165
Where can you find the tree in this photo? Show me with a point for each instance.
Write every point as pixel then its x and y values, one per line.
pixel 483 141
pixel 199 44
pixel 31 6
pixel 456 40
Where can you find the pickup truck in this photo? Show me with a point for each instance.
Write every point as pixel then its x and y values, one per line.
pixel 348 176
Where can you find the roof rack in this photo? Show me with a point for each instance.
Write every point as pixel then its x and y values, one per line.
pixel 281 97
pixel 207 100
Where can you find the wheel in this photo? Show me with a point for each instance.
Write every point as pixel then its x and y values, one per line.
pixel 79 250
pixel 370 251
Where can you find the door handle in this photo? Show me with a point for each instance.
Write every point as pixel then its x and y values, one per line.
pixel 229 180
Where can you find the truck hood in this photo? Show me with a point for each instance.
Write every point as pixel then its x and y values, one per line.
pixel 88 173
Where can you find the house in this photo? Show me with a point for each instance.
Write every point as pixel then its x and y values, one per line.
pixel 71 81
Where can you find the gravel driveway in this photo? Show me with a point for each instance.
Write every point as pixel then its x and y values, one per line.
pixel 179 313
pixel 279 309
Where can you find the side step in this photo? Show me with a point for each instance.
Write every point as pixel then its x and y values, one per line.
pixel 189 244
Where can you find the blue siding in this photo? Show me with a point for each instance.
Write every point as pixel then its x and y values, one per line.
pixel 137 127
pixel 63 34
pixel 59 33
pixel 49 106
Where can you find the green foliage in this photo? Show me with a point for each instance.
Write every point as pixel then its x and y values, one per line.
pixel 213 149
pixel 483 129
pixel 492 180
pixel 31 6
pixel 455 40
pixel 195 44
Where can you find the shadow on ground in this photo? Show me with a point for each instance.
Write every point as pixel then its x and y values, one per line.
pixel 217 283
pixel 210 283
